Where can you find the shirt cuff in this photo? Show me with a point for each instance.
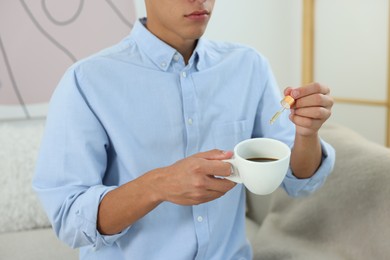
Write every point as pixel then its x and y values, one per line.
pixel 87 220
pixel 302 187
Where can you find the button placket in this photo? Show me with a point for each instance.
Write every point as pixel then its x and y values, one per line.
pixel 201 229
pixel 189 111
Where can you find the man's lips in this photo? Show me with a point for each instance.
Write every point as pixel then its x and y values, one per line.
pixel 198 13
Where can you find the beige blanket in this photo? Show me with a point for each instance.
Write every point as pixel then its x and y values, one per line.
pixel 348 218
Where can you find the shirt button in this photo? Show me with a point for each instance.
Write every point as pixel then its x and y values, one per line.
pixel 199 218
pixel 190 121
pixel 163 64
pixel 176 57
pixel 184 74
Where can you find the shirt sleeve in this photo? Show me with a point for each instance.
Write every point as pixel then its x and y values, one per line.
pixel 71 166
pixel 302 187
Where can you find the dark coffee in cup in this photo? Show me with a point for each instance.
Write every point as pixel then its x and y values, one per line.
pixel 261 159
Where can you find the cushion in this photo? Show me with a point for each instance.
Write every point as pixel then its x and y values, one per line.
pixel 257 206
pixel 20 208
pixel 251 228
pixel 40 244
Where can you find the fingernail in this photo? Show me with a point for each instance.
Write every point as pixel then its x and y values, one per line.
pixel 227 152
pixel 295 93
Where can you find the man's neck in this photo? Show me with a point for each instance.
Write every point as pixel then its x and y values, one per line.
pixel 184 46
pixel 186 50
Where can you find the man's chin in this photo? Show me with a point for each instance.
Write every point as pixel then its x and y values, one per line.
pixel 196 33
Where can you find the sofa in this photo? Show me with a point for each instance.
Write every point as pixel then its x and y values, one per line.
pixel 347 218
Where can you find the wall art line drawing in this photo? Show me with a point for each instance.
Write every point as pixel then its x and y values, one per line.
pixel 46 34
pixel 65 22
pixel 11 76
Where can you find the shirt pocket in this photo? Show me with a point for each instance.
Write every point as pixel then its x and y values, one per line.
pixel 227 134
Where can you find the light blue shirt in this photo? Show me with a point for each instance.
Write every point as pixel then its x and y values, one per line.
pixel 135 107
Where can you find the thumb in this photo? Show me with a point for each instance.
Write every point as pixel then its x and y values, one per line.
pixel 215 155
pixel 287 91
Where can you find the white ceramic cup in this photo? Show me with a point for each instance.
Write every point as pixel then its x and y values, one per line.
pixel 260 177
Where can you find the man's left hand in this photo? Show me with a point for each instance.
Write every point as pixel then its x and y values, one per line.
pixel 311 109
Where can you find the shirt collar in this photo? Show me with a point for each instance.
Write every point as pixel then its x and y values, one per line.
pixel 200 54
pixel 158 51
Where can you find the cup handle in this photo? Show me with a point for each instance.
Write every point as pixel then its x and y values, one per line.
pixel 234 176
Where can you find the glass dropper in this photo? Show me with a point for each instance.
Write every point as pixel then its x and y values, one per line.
pixel 286 103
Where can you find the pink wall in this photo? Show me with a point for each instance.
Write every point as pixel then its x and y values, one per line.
pixel 40 39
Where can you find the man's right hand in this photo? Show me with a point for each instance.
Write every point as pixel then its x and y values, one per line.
pixel 192 181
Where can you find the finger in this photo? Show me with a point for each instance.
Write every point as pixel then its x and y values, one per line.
pixel 287 91
pixel 310 89
pixel 306 122
pixel 214 155
pixel 319 113
pixel 206 197
pixel 220 185
pixel 217 168
pixel 314 100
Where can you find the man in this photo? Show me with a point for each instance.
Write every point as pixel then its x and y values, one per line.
pixel 137 133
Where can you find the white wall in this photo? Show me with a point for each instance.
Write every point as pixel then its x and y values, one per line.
pixel 351 56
